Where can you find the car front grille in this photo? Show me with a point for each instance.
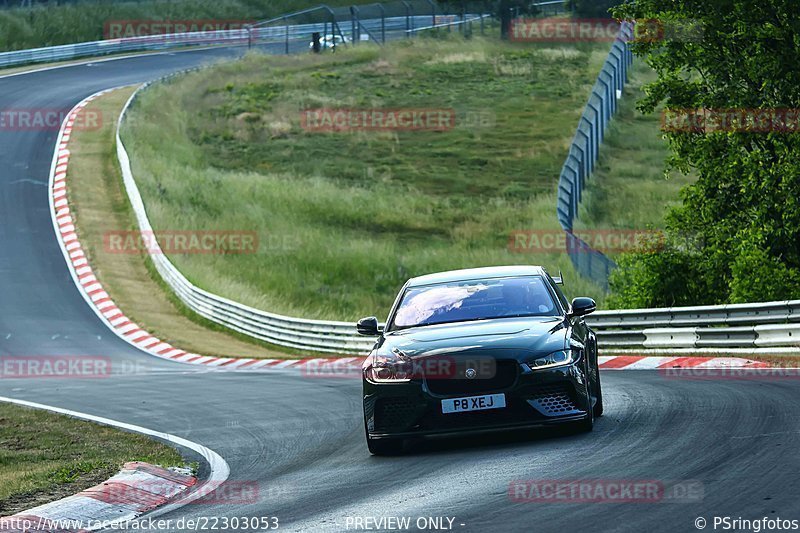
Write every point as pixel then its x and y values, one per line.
pixel 395 414
pixel 554 400
pixel 504 376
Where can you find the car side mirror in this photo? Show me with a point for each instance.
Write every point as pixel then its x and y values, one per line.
pixel 368 326
pixel 582 306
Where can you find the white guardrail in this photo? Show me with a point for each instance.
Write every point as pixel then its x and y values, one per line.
pixel 756 325
pixel 312 335
pixel 751 325
pixel 238 37
pixel 741 326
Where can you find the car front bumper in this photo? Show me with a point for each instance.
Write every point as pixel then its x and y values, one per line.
pixel 535 399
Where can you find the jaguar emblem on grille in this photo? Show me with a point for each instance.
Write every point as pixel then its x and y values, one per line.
pixel 470 373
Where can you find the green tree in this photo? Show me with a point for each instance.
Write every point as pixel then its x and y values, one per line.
pixel 742 216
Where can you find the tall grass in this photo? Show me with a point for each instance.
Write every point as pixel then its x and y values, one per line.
pixel 46 456
pixel 345 219
pixel 629 189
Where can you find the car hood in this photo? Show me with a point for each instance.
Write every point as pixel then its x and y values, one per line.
pixel 528 334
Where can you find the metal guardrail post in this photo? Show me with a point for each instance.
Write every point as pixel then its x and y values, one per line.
pixel 383 23
pixel 619 68
pixel 355 25
pixel 286 24
pixel 408 19
pixel 588 163
pixel 578 184
pixel 606 99
pixel 574 191
pixel 433 12
pixel 595 125
pixel 604 117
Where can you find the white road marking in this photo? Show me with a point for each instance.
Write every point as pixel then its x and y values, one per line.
pixel 219 468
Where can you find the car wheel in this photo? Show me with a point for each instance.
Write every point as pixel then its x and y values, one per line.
pixel 598 405
pixel 384 446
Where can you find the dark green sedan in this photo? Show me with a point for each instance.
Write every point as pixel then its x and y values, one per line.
pixel 478 350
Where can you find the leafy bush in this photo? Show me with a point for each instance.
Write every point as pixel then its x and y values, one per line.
pixel 743 212
pixel 660 275
pixel 757 276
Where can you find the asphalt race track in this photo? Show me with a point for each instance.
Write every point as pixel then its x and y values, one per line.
pixel 300 440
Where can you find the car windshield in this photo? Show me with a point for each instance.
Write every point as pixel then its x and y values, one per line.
pixel 474 300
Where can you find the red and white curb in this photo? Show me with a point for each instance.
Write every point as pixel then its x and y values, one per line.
pixel 91 289
pixel 135 490
pixel 122 326
pixel 120 504
pixel 643 362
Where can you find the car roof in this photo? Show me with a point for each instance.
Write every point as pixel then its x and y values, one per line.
pixel 469 274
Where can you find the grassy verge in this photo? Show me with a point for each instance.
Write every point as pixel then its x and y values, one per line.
pixel 100 205
pixel 45 456
pixel 345 219
pixel 628 189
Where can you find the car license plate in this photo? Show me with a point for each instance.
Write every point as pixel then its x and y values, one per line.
pixel 474 403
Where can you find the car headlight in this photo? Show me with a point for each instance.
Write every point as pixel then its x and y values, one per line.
pixel 559 358
pixel 393 368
